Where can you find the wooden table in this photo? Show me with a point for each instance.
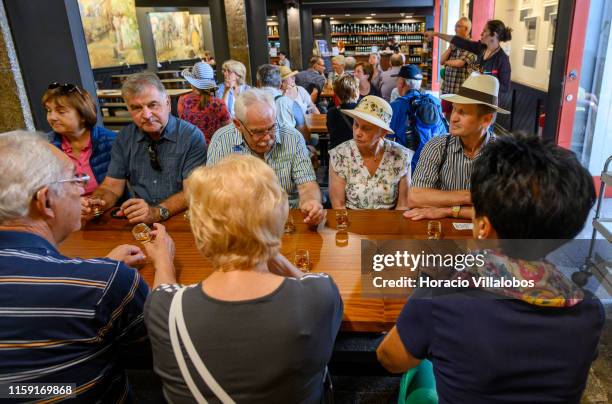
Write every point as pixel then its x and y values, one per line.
pixel 168 74
pixel 336 254
pixel 175 83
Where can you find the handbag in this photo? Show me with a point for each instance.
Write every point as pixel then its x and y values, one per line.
pixel 178 329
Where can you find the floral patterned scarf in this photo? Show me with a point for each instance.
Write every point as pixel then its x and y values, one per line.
pixel 551 287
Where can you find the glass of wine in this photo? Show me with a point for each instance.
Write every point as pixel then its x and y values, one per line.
pixel 434 230
pixel 302 260
pixel 342 220
pixel 142 233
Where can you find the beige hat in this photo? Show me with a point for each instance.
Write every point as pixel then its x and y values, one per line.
pixel 374 110
pixel 477 89
pixel 286 72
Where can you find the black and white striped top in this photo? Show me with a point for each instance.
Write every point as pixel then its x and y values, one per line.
pixel 456 169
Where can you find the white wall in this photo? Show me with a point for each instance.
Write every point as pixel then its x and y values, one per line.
pixel 508 11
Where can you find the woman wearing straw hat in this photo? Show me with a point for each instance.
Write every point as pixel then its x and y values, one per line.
pixel 295 92
pixel 201 107
pixel 369 171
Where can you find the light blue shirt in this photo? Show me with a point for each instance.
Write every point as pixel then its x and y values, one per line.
pixel 231 96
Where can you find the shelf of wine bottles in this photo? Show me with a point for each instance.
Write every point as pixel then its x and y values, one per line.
pixel 378 40
pixel 388 28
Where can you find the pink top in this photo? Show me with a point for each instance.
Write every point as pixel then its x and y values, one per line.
pixel 82 163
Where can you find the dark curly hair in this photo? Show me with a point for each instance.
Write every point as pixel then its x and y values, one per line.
pixel 531 189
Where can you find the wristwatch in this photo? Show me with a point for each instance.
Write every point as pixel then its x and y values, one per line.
pixel 456 209
pixel 164 213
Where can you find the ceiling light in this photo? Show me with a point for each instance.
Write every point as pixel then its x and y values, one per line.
pixel 331 18
pixel 323 15
pixel 373 14
pixel 368 18
pixel 402 14
pixel 347 15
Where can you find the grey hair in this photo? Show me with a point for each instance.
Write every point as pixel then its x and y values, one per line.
pixel 467 22
pixel 349 63
pixel 248 98
pixel 269 76
pixel 136 83
pixel 338 59
pixel 27 164
pixel 414 84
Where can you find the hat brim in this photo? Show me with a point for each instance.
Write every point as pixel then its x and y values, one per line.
pixel 201 84
pixel 293 73
pixel 368 118
pixel 408 78
pixel 454 98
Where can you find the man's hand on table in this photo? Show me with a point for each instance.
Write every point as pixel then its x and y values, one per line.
pixel 313 212
pixel 129 254
pixel 427 213
pixel 138 211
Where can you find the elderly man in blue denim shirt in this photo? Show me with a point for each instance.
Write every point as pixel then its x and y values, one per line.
pixel 152 157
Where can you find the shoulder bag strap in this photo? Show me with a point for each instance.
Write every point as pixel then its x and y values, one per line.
pixel 176 322
pixel 444 155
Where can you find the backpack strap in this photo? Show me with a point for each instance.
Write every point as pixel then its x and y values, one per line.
pixel 178 329
pixel 444 156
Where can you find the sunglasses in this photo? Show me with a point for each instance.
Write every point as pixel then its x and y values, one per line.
pixel 65 88
pixel 153 157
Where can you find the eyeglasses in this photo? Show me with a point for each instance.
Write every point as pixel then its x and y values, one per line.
pixel 153 157
pixel 65 88
pixel 260 133
pixel 81 179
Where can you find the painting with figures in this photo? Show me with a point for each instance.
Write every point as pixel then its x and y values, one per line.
pixel 111 32
pixel 177 35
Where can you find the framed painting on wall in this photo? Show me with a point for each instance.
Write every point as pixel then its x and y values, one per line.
pixel 111 32
pixel 177 35
pixel 531 31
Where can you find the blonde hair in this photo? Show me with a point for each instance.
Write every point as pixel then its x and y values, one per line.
pixel 237 211
pixel 338 59
pixel 236 67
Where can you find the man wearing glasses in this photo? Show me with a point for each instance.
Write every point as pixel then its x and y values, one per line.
pixel 255 131
pixel 63 319
pixel 313 78
pixel 152 157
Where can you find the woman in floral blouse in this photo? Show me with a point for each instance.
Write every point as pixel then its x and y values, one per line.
pixel 201 107
pixel 369 171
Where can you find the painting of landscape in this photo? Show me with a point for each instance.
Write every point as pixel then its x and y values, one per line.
pixel 111 32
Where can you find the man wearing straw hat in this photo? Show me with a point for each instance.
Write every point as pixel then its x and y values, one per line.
pixel 441 181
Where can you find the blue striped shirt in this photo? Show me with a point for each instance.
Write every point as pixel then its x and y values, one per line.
pixel 66 319
pixel 288 157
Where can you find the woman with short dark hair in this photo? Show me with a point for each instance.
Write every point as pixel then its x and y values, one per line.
pixel 72 115
pixel 529 334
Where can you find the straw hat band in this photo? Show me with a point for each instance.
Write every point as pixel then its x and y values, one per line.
pixel 477 95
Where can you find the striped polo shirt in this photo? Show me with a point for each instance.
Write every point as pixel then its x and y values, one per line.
pixel 456 170
pixel 288 157
pixel 67 320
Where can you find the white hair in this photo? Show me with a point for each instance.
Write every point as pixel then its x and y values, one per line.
pixel 27 164
pixel 414 84
pixel 248 98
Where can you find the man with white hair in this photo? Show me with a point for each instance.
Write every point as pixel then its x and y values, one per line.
pixel 456 63
pixel 255 131
pixel 63 319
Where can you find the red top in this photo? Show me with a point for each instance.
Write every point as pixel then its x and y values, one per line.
pixel 209 119
pixel 82 163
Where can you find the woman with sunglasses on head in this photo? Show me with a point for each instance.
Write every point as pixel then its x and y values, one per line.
pixel 71 113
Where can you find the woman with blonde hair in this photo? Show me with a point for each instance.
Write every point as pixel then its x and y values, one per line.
pixel 263 330
pixel 234 76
